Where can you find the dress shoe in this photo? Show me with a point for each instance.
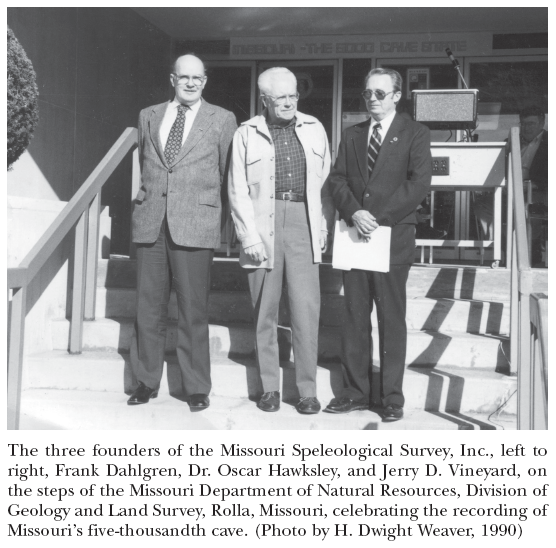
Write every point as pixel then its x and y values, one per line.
pixel 308 406
pixel 142 394
pixel 345 405
pixel 392 412
pixel 270 401
pixel 198 402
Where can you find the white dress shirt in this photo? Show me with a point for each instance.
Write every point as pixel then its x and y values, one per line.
pixel 170 117
pixel 384 124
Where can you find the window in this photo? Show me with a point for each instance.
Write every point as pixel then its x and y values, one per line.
pixel 504 89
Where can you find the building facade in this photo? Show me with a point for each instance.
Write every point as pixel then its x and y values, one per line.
pixel 97 67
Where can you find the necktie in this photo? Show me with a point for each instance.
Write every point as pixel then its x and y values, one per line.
pixel 374 147
pixel 173 144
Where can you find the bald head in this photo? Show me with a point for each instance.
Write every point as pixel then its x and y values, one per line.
pixel 188 57
pixel 188 79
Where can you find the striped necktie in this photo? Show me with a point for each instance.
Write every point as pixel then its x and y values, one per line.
pixel 374 147
pixel 173 144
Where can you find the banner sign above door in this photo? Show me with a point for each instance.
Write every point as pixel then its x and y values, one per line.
pixel 387 46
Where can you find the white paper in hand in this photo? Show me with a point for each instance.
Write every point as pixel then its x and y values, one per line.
pixel 351 251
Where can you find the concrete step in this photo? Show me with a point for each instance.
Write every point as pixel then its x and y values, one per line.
pixel 74 410
pixel 450 282
pixel 445 390
pixel 236 340
pixel 226 274
pixel 422 313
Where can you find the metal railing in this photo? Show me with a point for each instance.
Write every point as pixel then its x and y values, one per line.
pixel 83 209
pixel 539 359
pixel 526 312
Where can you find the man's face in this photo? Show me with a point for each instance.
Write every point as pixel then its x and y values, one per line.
pixel 188 79
pixel 281 104
pixel 531 126
pixel 379 109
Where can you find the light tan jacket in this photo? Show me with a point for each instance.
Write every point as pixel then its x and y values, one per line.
pixel 251 185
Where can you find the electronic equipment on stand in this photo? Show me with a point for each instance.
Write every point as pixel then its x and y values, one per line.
pixel 461 166
pixel 455 62
pixel 447 108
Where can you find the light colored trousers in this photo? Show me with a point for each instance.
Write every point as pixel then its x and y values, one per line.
pixel 293 258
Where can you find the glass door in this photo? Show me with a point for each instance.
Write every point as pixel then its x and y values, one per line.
pixel 506 85
pixel 231 85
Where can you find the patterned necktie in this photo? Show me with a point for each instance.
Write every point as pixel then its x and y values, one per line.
pixel 374 147
pixel 173 144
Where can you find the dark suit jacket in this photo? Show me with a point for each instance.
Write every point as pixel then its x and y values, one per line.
pixel 188 191
pixel 538 171
pixel 400 180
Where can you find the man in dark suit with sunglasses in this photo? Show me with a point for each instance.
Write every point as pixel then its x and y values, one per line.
pixel 382 173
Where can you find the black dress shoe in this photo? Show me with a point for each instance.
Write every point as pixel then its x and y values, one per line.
pixel 142 394
pixel 270 401
pixel 345 405
pixel 198 402
pixel 308 406
pixel 392 412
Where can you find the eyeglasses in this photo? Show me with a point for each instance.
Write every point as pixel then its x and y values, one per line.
pixel 183 80
pixel 379 94
pixel 282 100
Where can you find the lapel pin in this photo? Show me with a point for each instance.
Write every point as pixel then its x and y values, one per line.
pixel 394 140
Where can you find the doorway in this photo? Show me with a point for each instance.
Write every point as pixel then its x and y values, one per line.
pixel 231 85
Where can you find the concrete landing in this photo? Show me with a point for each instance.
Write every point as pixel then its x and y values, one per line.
pixel 72 410
pixel 438 389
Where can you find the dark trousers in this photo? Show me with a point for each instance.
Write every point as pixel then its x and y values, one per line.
pixel 387 290
pixel 293 258
pixel 160 266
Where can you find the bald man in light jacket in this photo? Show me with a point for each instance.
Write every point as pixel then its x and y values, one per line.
pixel 280 161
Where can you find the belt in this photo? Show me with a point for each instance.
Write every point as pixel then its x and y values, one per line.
pixel 290 196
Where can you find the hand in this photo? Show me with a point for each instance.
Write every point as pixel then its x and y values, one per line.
pixel 365 223
pixel 323 241
pixel 256 253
